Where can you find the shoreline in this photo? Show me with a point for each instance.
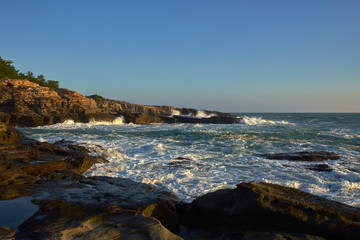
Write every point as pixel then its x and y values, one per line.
pixel 68 202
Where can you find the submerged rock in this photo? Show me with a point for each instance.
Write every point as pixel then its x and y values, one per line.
pixel 263 207
pixel 321 168
pixel 302 156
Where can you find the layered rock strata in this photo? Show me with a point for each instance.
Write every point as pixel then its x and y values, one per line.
pixel 26 104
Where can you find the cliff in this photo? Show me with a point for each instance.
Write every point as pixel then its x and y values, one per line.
pixel 26 104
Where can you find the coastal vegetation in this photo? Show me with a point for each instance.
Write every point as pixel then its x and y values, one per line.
pixel 7 70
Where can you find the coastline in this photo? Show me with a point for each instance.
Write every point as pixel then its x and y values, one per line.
pixel 64 204
pixel 72 206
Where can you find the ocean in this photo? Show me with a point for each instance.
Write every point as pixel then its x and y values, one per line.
pixel 192 159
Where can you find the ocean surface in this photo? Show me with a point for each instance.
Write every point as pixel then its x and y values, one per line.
pixel 193 159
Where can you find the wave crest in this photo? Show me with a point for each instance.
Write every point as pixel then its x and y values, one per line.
pixel 259 121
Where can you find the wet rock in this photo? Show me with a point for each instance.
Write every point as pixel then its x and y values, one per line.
pixel 8 135
pixel 27 162
pixel 191 112
pixel 263 207
pixel 6 233
pixel 210 120
pixel 101 207
pixel 302 156
pixel 321 168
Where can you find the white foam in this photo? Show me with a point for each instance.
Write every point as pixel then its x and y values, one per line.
pixel 193 159
pixel 259 121
pixel 199 114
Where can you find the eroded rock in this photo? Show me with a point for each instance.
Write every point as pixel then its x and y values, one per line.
pixel 263 207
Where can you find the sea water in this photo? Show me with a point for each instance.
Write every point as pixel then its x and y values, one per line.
pixel 193 159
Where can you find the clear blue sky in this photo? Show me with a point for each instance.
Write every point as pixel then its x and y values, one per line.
pixel 235 56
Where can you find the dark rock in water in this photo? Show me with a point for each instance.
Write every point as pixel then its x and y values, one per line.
pixel 183 158
pixel 302 156
pixel 321 168
pixel 262 207
pixel 210 120
pixel 191 112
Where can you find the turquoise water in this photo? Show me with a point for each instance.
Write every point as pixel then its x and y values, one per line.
pixel 192 159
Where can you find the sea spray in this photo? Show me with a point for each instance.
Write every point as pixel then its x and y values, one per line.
pixel 192 159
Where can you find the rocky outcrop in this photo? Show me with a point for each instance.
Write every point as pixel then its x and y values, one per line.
pixel 72 206
pixel 26 104
pixel 302 156
pixel 192 112
pixel 27 162
pixel 117 107
pixel 264 207
pixel 23 103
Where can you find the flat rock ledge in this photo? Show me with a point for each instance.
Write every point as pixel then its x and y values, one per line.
pixel 71 206
pixel 267 208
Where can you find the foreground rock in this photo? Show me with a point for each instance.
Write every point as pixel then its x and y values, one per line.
pixel 263 207
pixel 72 206
pixel 302 156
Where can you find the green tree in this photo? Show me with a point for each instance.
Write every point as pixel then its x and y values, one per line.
pixel 9 71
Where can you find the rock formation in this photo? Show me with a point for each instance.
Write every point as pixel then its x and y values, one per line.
pixel 264 207
pixel 72 206
pixel 26 104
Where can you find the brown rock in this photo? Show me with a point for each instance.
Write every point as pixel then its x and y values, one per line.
pixel 264 207
pixel 6 233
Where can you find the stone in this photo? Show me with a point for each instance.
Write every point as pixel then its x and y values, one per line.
pixel 7 233
pixel 262 207
pixel 320 168
pixel 302 156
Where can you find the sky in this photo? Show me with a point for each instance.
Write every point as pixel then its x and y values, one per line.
pixel 226 55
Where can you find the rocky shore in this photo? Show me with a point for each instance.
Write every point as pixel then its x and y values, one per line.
pixel 26 104
pixel 45 195
pixel 63 204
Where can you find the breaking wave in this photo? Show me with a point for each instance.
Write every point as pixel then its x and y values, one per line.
pixel 259 121
pixel 199 114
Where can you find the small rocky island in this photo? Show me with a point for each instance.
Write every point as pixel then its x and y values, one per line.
pixel 57 201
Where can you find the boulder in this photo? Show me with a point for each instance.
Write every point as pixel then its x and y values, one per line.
pixel 302 156
pixel 264 207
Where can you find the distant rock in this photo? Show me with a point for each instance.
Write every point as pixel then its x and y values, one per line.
pixel 320 168
pixel 210 120
pixel 26 104
pixel 117 107
pixel 302 156
pixel 264 207
pixel 192 112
